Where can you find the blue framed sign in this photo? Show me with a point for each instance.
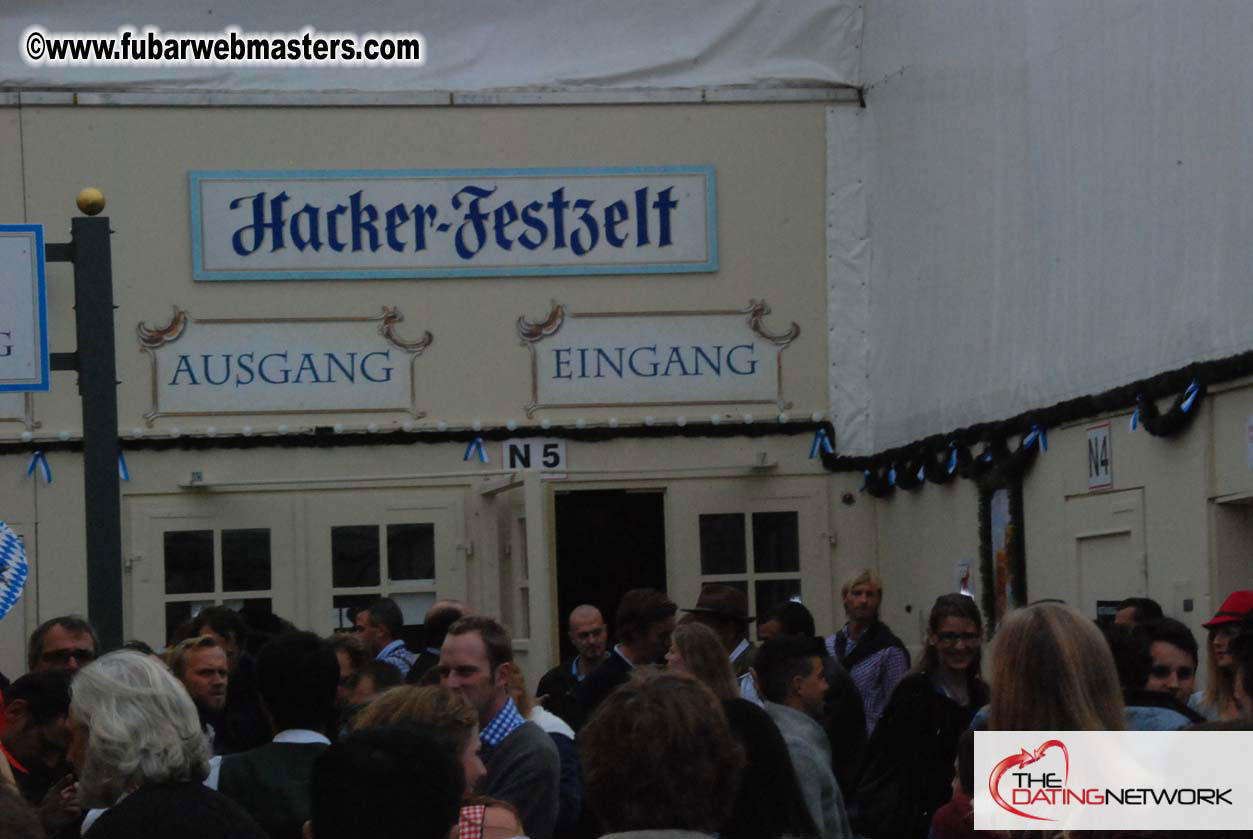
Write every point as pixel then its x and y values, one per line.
pixel 24 308
pixel 399 224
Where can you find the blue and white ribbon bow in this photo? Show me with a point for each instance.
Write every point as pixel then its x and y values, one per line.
pixel 1190 396
pixel 39 461
pixel 892 476
pixel 13 568
pixel 1135 416
pixel 476 447
pixel 122 471
pixel 952 458
pixel 865 480
pixel 1036 435
pixel 922 472
pixel 821 441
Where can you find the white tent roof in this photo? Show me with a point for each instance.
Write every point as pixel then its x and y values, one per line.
pixel 473 45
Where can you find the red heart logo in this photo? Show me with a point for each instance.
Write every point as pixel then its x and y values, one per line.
pixel 1025 758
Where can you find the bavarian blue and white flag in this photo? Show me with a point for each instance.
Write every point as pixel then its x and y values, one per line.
pixel 13 568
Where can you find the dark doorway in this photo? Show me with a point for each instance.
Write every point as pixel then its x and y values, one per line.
pixel 608 542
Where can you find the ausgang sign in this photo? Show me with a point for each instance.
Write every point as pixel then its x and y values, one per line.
pixel 23 309
pixel 244 366
pixel 452 223
pixel 605 359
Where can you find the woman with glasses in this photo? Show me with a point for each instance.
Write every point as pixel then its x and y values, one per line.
pixel 909 760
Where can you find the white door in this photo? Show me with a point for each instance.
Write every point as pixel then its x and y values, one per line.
pixel 1108 535
pixel 408 545
pixel 196 550
pixel 771 544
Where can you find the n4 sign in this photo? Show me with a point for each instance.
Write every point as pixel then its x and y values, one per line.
pixel 537 453
pixel 1100 460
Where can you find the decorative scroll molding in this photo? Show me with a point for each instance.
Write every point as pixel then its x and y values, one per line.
pixel 162 335
pixel 655 358
pixel 387 328
pixel 531 332
pixel 758 309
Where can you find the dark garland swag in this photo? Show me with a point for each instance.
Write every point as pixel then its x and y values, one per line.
pixel 326 437
pixel 939 458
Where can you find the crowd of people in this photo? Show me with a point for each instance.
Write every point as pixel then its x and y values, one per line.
pixel 682 727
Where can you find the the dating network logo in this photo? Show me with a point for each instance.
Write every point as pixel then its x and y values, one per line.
pixel 1113 780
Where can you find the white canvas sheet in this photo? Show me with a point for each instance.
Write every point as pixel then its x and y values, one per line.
pixel 1059 201
pixel 477 45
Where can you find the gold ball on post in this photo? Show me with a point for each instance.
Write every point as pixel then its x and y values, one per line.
pixel 90 201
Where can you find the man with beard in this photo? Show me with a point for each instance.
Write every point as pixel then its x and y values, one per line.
pixel 866 648
pixel 201 665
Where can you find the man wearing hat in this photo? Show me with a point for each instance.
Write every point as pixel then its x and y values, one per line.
pixel 724 609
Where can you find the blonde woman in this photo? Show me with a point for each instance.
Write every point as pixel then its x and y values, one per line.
pixel 698 652
pixel 1052 671
pixel 453 717
pixel 1216 702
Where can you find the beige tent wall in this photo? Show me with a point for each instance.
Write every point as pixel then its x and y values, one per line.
pixel 772 246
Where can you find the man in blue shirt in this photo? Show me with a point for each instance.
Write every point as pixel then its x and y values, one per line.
pixel 523 766
pixel 379 627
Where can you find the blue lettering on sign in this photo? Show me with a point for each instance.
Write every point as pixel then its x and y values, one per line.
pixel 650 361
pixel 309 368
pixel 358 225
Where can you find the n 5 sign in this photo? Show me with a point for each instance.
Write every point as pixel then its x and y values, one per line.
pixel 535 453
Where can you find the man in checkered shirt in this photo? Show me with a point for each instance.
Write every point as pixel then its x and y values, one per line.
pixel 523 765
pixel 872 655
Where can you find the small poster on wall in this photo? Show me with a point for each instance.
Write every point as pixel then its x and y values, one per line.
pixel 965 579
pixel 1002 564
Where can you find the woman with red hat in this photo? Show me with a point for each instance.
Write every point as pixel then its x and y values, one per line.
pixel 1215 702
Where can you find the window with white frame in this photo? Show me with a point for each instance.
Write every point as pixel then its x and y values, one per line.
pixel 757 552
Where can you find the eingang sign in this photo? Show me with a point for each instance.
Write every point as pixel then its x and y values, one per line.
pixel 368 224
pixel 608 359
pixel 23 309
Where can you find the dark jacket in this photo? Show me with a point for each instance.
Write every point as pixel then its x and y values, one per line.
pixel 602 681
pixel 272 784
pixel 243 724
pixel 844 720
pixel 769 803
pixel 187 810
pixel 909 759
pixel 876 637
pixel 560 688
pixel 424 662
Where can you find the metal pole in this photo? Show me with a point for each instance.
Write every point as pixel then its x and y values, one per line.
pixel 97 386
